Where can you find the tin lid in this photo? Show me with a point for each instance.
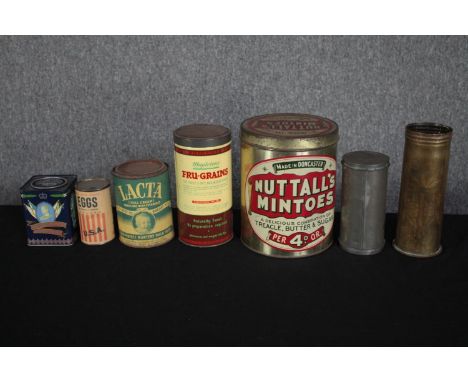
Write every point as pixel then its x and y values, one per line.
pixel 366 160
pixel 56 183
pixel 202 135
pixel 49 182
pixel 429 132
pixel 135 169
pixel 289 131
pixel 92 184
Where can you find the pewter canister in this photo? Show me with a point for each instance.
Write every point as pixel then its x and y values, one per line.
pixel 422 192
pixel 363 202
pixel 288 176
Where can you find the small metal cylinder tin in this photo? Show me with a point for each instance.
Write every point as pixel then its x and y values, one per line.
pixel 94 203
pixel 422 192
pixel 288 172
pixel 363 202
pixel 49 210
pixel 204 184
pixel 143 203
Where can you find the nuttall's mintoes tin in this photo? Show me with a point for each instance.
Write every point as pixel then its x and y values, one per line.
pixel 49 210
pixel 93 199
pixel 422 192
pixel 143 203
pixel 288 177
pixel 363 201
pixel 204 184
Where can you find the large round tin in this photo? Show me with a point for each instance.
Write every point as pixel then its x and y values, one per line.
pixel 143 203
pixel 288 178
pixel 94 203
pixel 203 168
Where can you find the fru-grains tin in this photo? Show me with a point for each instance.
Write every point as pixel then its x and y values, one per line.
pixel 49 210
pixel 204 184
pixel 288 177
pixel 94 203
pixel 143 203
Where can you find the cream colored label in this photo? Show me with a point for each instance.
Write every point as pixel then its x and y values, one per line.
pixel 95 216
pixel 204 179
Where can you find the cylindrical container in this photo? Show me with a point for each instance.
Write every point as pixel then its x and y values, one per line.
pixel 363 202
pixel 143 203
pixel 204 184
pixel 288 176
pixel 423 183
pixel 94 202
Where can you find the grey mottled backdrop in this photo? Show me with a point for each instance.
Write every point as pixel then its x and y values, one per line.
pixel 83 104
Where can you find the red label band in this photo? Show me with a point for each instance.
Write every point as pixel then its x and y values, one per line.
pixel 298 239
pixel 201 153
pixel 205 231
pixel 292 196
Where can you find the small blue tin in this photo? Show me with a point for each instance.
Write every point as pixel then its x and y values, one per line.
pixel 49 210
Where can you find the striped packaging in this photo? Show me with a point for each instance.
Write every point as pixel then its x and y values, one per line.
pixel 95 216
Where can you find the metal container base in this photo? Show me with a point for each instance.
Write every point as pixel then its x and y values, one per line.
pixel 98 244
pixel 206 246
pixel 146 246
pixel 418 255
pixel 362 252
pixel 289 257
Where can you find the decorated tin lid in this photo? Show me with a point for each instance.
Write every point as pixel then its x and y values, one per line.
pixel 289 132
pixel 202 135
pixel 49 182
pixel 366 160
pixel 136 169
pixel 57 183
pixel 92 184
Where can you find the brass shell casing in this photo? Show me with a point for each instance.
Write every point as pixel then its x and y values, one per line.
pixel 422 192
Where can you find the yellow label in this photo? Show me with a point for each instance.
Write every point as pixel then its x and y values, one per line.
pixel 204 179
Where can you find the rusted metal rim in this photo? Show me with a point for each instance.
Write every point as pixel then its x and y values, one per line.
pixel 92 184
pixel 289 132
pixel 139 169
pixel 429 132
pixel 202 135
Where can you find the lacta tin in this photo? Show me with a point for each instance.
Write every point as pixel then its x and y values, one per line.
pixel 49 210
pixel 363 202
pixel 203 167
pixel 93 199
pixel 288 177
pixel 143 203
pixel 422 192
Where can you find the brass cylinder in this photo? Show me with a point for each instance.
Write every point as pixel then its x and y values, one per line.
pixel 423 184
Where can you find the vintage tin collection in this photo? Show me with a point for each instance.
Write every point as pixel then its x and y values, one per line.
pixel 288 177
pixel 422 192
pixel 288 183
pixel 94 203
pixel 363 202
pixel 49 210
pixel 143 203
pixel 203 167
